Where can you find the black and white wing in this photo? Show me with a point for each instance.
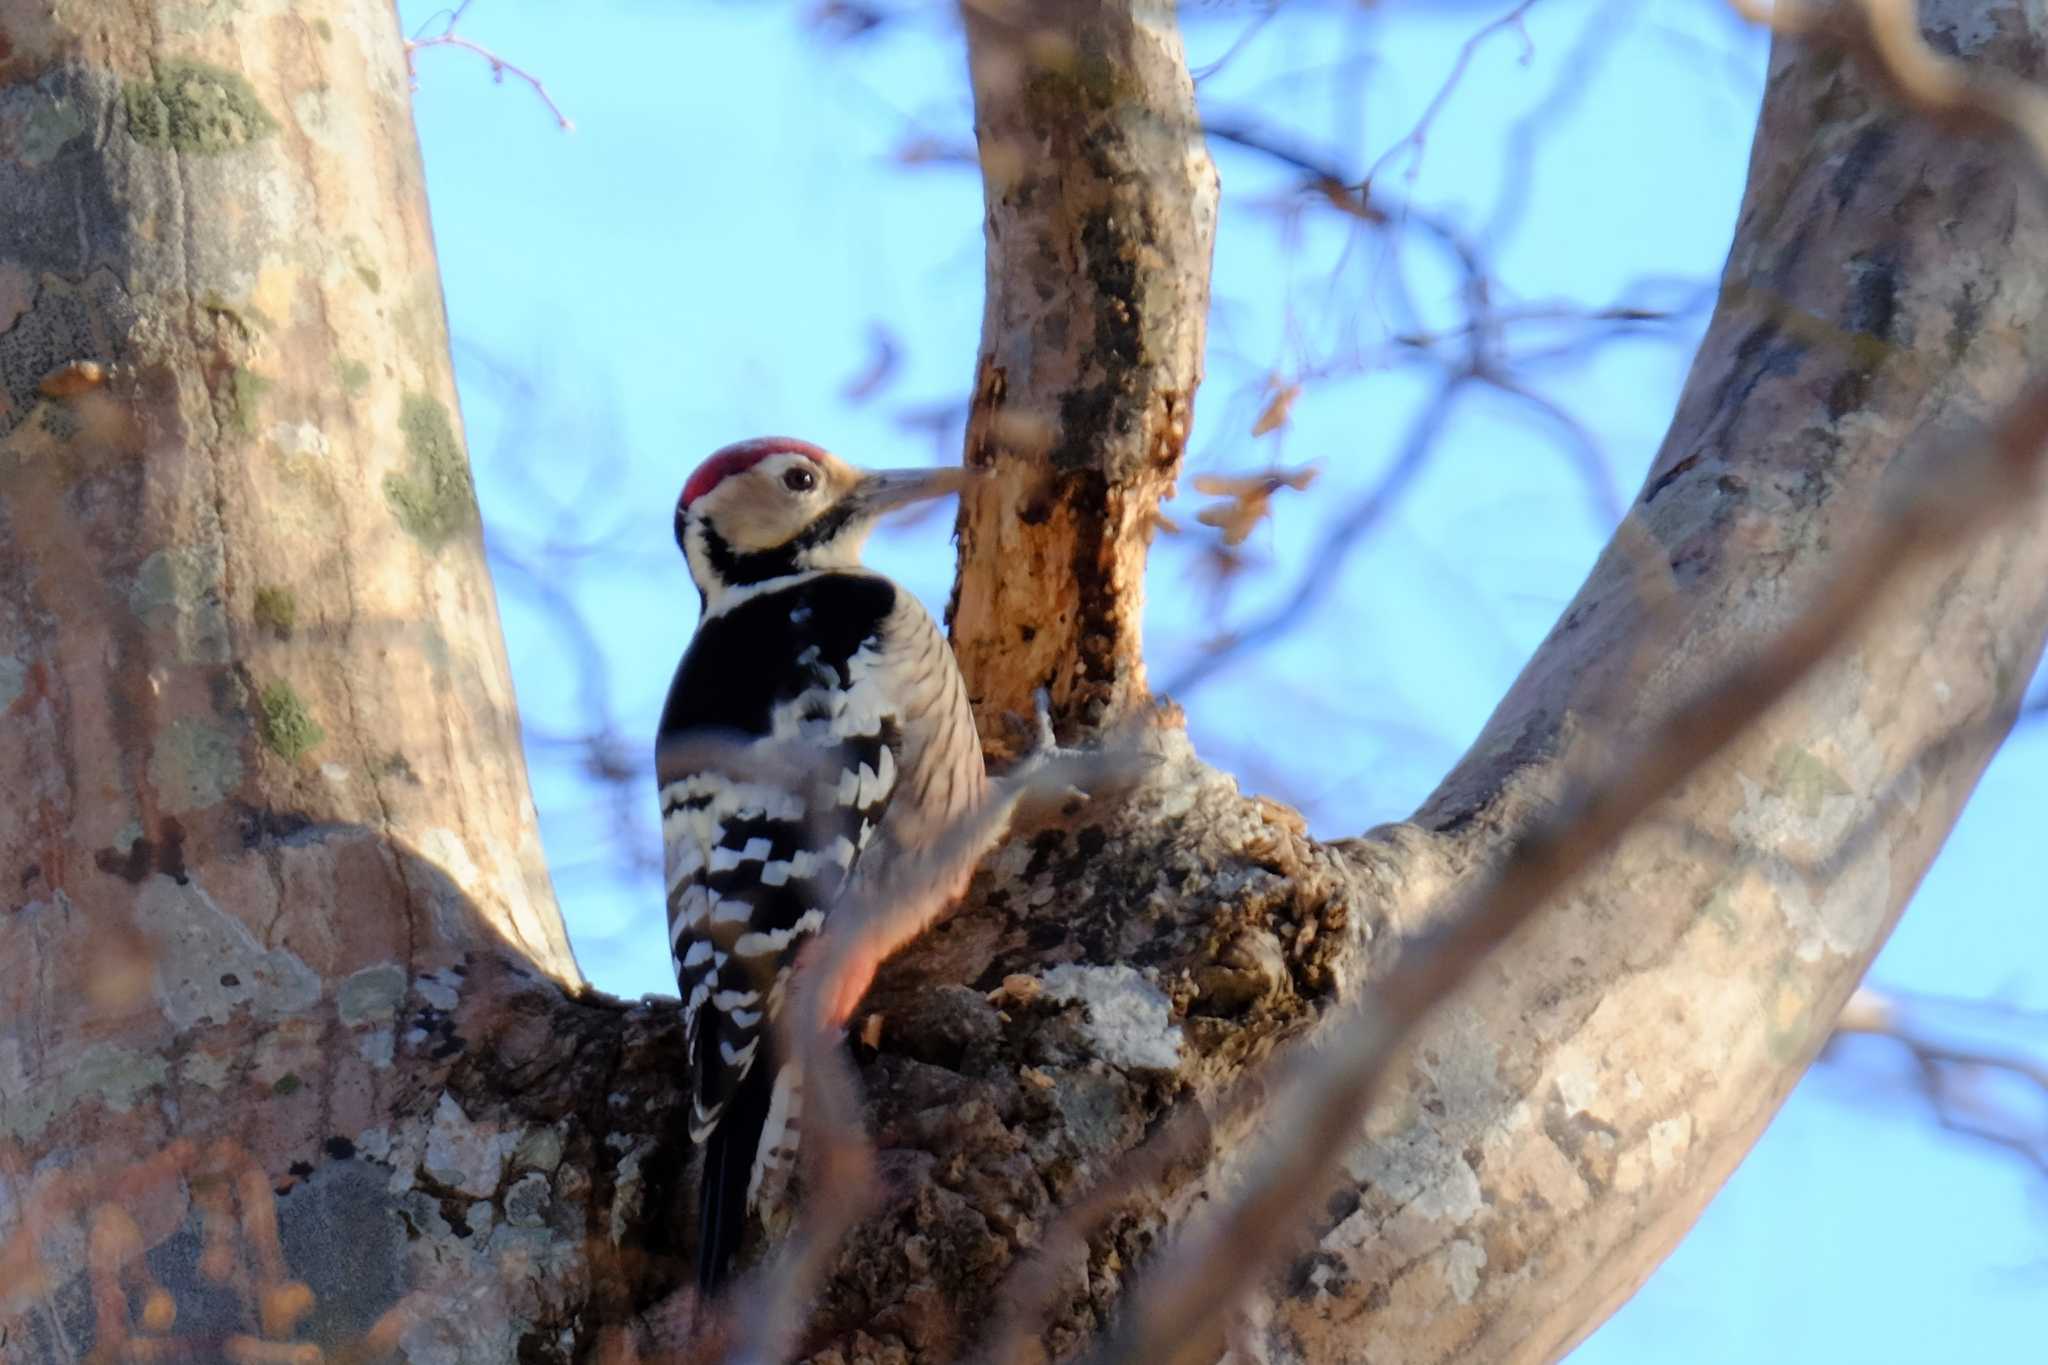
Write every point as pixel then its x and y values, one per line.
pixel 756 859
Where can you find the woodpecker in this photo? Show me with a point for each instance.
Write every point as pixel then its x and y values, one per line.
pixel 843 686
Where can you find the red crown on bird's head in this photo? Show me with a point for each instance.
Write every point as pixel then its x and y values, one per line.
pixel 744 455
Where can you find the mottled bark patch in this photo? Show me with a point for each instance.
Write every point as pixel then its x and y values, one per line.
pixel 194 764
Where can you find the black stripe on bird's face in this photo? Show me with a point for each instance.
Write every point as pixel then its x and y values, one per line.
pixel 748 567
pixel 740 568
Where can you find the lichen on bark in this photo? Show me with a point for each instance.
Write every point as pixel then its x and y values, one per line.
pixel 432 498
pixel 190 106
pixel 287 723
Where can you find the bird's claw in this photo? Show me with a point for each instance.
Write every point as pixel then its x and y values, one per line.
pixel 1046 750
pixel 1041 710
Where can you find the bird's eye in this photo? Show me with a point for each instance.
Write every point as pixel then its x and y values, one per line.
pixel 800 480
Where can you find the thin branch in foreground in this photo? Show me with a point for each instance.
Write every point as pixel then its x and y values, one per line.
pixel 242 1253
pixel 1027 1295
pixel 1321 575
pixel 1947 1073
pixel 1185 1294
pixel 500 68
pixel 841 1187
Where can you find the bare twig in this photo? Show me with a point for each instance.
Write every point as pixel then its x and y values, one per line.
pixel 1239 44
pixel 1599 34
pixel 1947 1073
pixel 1418 136
pixel 1595 474
pixel 885 357
pixel 1479 348
pixel 1354 526
pixel 500 68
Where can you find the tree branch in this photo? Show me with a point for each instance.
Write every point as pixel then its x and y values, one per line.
pixel 1337 1081
pixel 1101 214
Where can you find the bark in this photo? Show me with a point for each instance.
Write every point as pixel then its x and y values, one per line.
pixel 280 974
pixel 267 822
pixel 1101 214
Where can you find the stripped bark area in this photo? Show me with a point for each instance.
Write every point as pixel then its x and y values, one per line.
pixel 1100 216
pixel 292 1053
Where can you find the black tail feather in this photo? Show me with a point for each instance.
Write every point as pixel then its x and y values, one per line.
pixel 728 1166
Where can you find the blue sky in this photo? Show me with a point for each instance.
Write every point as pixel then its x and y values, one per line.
pixel 711 254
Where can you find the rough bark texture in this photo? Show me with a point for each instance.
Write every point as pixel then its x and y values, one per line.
pixel 275 880
pixel 1101 213
pixel 265 804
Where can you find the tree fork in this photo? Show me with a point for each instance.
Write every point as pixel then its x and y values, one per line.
pixel 239 551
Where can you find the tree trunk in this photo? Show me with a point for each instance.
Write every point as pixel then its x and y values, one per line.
pixel 290 1037
pixel 268 836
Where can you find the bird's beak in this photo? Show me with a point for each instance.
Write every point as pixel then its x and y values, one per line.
pixel 883 490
